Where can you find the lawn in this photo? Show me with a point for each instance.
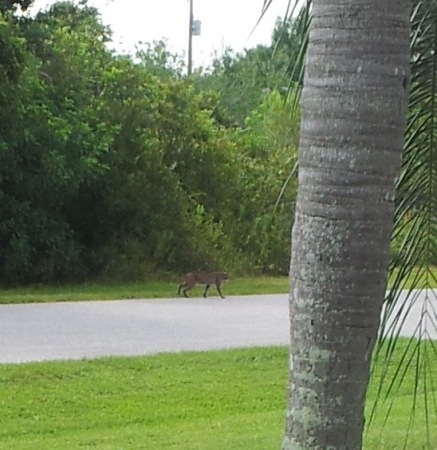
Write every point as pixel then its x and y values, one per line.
pixel 188 401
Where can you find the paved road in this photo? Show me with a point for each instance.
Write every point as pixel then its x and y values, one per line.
pixel 50 331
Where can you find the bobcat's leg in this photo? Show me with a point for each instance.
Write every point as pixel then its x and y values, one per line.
pixel 184 287
pixel 219 290
pixel 206 290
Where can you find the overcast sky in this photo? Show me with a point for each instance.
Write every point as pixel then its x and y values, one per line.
pixel 224 23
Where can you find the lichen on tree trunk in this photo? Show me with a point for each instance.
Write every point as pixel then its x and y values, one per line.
pixel 354 107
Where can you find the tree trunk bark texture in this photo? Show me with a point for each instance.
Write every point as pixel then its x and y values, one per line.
pixel 354 105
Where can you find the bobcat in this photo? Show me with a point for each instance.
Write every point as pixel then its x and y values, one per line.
pixel 189 280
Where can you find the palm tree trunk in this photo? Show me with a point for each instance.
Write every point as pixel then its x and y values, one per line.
pixel 354 107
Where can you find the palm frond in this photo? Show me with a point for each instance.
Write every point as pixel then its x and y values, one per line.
pixel 264 9
pixel 415 236
pixel 411 271
pixel 296 64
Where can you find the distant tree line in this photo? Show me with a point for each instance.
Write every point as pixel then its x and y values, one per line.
pixel 122 166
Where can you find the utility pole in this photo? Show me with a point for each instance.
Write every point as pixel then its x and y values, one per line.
pixel 190 40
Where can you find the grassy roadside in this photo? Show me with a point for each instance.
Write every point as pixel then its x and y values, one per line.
pixel 148 289
pixel 153 289
pixel 205 401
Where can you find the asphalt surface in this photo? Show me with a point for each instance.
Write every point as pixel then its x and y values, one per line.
pixel 76 330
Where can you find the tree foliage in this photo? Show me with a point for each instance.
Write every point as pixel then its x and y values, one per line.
pixel 243 80
pixel 118 165
pixel 11 5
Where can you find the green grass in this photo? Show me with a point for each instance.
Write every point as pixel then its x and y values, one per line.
pixel 189 401
pixel 405 407
pixel 149 289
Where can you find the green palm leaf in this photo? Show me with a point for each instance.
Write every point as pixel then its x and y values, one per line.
pixel 415 232
pixel 414 236
pixel 301 23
